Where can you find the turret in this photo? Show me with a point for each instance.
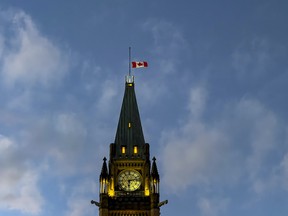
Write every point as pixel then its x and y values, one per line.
pixel 104 176
pixel 155 179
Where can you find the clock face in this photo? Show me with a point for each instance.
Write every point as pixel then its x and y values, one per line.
pixel 129 180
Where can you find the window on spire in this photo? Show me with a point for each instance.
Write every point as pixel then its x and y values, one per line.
pixel 123 149
pixel 135 149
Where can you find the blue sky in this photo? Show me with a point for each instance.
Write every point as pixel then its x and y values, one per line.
pixel 213 102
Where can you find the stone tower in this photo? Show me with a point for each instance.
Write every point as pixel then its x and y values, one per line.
pixel 129 185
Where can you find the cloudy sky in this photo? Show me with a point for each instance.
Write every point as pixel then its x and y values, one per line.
pixel 213 102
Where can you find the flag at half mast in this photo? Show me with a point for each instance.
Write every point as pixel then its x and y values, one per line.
pixel 139 64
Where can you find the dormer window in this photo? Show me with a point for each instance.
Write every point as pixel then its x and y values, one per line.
pixel 123 149
pixel 135 149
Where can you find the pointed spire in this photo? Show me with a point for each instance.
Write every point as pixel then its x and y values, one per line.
pixel 104 172
pixel 154 170
pixel 129 140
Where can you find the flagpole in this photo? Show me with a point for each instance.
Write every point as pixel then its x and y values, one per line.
pixel 129 61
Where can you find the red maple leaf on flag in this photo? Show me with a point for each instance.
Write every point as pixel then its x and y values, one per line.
pixel 139 64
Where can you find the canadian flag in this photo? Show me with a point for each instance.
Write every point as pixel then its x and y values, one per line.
pixel 139 64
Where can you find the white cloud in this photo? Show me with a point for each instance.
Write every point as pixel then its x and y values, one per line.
pixel 195 153
pixel 251 59
pixel 197 101
pixel 166 36
pixel 109 91
pixel 169 43
pixel 69 124
pixel 166 58
pixel 30 58
pixel 79 201
pixel 236 143
pixel 20 102
pixel 18 182
pixel 81 206
pixel 2 42
pixel 150 92
pixel 263 129
pixel 5 143
pixel 58 138
pixel 212 207
pixel 281 177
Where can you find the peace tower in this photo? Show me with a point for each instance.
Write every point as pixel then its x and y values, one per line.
pixel 129 184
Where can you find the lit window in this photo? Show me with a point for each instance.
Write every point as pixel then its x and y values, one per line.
pixel 130 84
pixel 135 149
pixel 123 149
pixel 129 125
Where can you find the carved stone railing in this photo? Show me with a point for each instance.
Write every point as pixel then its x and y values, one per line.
pixel 131 194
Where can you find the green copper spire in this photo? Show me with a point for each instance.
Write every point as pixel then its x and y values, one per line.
pixel 129 141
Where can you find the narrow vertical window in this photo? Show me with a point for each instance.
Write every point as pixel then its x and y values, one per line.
pixel 129 125
pixel 123 149
pixel 135 149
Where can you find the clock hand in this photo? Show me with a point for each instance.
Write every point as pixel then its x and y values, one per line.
pixel 129 183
